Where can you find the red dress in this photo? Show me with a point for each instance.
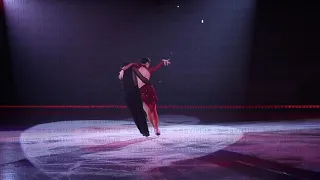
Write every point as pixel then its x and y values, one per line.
pixel 148 92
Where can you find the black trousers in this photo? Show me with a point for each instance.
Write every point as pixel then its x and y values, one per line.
pixel 134 103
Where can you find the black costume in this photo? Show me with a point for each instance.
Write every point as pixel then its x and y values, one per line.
pixel 133 98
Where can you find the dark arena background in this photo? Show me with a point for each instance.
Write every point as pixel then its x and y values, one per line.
pixel 239 101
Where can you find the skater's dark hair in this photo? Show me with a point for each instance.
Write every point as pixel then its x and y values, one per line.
pixel 145 60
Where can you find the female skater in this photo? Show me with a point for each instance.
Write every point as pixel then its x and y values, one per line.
pixel 147 91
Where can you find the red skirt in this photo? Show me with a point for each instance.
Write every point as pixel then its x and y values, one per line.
pixel 149 96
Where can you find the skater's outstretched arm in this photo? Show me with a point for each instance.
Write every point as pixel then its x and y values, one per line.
pixel 165 62
pixel 124 68
pixel 128 66
pixel 155 68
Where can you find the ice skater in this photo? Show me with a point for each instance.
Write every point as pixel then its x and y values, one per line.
pixel 133 98
pixel 147 91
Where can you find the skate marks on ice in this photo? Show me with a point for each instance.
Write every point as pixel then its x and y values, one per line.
pixel 116 148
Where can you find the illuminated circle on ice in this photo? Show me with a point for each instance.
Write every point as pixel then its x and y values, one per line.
pixel 174 119
pixel 113 147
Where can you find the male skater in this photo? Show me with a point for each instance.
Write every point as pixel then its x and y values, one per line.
pixel 133 98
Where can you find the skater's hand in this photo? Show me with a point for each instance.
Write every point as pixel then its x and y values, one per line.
pixel 166 62
pixel 121 73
